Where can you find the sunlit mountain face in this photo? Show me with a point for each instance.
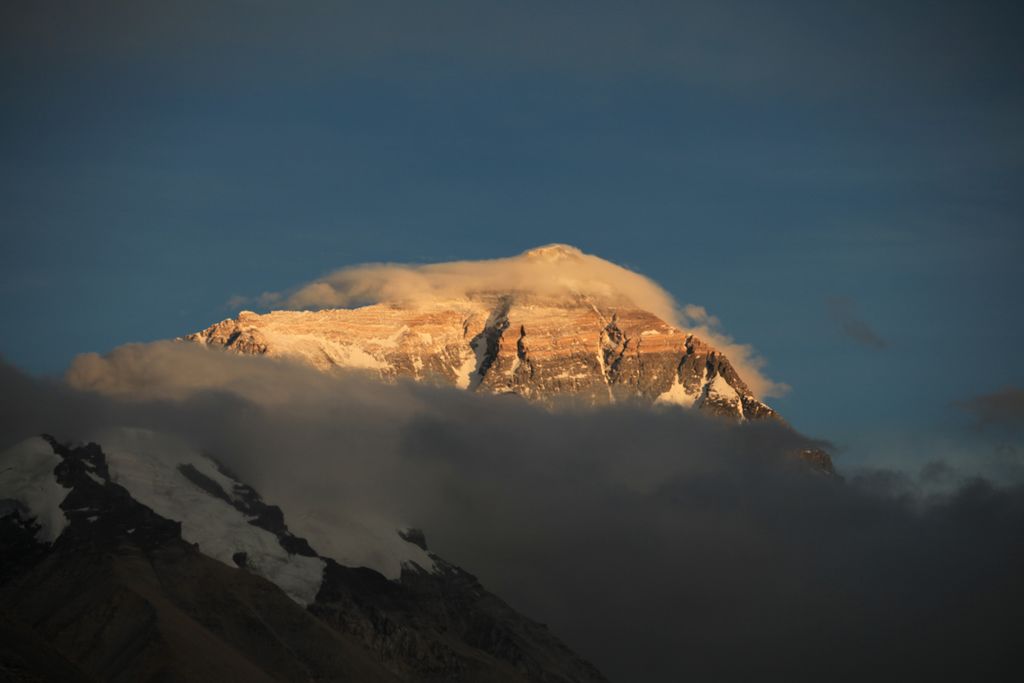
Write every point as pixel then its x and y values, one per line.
pixel 597 347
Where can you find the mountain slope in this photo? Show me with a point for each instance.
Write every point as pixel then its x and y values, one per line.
pixel 126 592
pixel 539 348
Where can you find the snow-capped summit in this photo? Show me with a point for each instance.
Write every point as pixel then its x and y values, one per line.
pixel 554 252
pixel 552 324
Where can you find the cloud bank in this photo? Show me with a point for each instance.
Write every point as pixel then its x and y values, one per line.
pixel 553 271
pixel 662 545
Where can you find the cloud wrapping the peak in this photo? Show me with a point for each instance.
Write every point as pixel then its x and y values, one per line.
pixel 552 271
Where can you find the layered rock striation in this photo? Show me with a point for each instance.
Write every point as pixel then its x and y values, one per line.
pixel 542 349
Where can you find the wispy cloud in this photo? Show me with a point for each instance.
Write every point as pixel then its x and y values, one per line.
pixel 1000 409
pixel 843 312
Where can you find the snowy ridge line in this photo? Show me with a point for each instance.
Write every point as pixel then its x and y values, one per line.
pixel 224 518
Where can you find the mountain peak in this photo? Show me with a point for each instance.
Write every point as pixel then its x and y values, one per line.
pixel 554 252
pixel 549 351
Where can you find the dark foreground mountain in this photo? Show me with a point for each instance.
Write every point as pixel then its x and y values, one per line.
pixel 97 586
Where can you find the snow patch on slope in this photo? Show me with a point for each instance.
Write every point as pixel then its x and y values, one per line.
pixel 720 390
pixel 468 375
pixel 464 373
pixel 359 543
pixel 677 395
pixel 147 465
pixel 27 479
pixel 323 353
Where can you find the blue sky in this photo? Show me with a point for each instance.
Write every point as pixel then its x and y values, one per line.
pixel 759 161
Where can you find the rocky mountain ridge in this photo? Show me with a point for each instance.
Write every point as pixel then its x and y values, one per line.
pixel 551 350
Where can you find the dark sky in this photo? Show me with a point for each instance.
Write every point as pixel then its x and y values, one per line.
pixel 841 183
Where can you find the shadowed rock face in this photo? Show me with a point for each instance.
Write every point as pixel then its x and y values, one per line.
pixel 541 349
